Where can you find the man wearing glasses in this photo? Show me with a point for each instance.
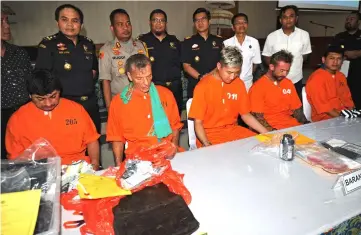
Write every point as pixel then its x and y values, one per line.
pixel 164 53
pixel 201 52
pixel 113 54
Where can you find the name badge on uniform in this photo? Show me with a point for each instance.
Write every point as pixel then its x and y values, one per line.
pixel 195 47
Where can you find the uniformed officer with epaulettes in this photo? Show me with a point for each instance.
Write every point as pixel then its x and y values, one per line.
pixel 113 55
pixel 72 58
pixel 164 53
pixel 201 52
pixel 350 41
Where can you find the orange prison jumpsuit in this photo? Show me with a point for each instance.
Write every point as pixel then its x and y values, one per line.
pixel 325 92
pixel 276 102
pixel 133 122
pixel 68 128
pixel 218 104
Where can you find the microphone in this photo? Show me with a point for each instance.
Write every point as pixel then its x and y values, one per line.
pixel 327 26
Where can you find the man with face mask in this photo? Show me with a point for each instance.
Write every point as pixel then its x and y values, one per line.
pixel 15 67
pixel 327 89
pixel 164 53
pixel 350 40
pixel 274 100
pixel 143 114
pixel 218 99
pixel 62 122
pixel 114 53
pixel 72 58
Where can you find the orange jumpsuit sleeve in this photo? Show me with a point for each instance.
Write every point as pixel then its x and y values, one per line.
pixel 346 97
pixel 173 114
pixel 244 104
pixel 317 91
pixel 256 98
pixel 115 130
pixel 90 132
pixel 295 100
pixel 199 104
pixel 13 143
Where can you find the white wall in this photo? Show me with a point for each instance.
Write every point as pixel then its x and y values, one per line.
pixel 35 20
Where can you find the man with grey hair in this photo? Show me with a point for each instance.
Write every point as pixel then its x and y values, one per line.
pixel 15 67
pixel 218 99
pixel 143 114
pixel 274 100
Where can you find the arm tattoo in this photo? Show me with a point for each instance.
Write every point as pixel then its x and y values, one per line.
pixel 260 118
pixel 300 116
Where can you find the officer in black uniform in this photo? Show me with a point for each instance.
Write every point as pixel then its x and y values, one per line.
pixel 164 53
pixel 350 40
pixel 72 58
pixel 201 52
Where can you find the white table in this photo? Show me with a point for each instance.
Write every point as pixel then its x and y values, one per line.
pixel 236 191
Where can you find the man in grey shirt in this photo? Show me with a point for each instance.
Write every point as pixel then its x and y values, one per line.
pixel 114 53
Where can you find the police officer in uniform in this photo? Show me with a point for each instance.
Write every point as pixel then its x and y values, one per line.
pixel 113 55
pixel 201 52
pixel 72 58
pixel 164 53
pixel 350 40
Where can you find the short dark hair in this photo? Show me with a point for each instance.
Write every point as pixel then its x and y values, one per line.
pixel 334 49
pixel 157 11
pixel 202 10
pixel 43 82
pixel 138 60
pixel 356 13
pixel 285 8
pixel 117 11
pixel 282 55
pixel 239 15
pixel 62 7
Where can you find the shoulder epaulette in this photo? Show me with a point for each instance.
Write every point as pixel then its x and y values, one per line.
pixel 219 36
pixel 187 38
pixel 88 39
pixel 49 38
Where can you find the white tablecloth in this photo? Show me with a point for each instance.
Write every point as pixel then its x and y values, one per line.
pixel 237 191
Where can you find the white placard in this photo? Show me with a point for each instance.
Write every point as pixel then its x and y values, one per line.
pixel 351 181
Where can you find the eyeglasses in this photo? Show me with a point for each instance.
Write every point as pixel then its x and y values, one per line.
pixel 161 21
pixel 200 19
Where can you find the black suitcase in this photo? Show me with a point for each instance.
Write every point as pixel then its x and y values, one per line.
pixel 154 211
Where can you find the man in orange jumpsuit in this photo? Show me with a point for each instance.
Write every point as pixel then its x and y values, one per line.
pixel 274 99
pixel 218 99
pixel 143 114
pixel 64 123
pixel 327 89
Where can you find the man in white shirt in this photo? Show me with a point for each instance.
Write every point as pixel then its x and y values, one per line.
pixel 248 46
pixel 293 39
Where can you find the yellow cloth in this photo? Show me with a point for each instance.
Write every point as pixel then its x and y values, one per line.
pixel 93 187
pixel 276 137
pixel 19 212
